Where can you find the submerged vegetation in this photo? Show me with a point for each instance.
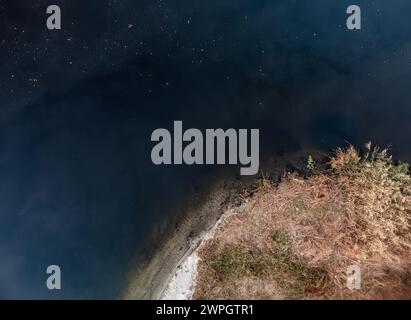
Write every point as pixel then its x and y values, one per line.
pixel 295 239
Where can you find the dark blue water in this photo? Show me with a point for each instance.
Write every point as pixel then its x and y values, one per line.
pixel 77 186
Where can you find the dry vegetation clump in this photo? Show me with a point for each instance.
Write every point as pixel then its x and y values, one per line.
pixel 296 239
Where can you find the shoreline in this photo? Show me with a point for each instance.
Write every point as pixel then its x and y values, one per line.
pixel 174 257
pixel 151 276
pixel 181 283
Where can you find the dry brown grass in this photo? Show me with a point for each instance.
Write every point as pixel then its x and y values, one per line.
pixel 295 240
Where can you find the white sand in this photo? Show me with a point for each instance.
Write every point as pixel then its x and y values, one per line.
pixel 182 283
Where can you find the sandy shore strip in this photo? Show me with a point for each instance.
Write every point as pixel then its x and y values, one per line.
pixel 181 285
pixel 150 279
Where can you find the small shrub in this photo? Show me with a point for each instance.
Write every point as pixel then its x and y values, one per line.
pixel 310 163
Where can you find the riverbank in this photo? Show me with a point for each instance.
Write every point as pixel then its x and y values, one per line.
pixel 173 257
pixel 182 283
pixel 296 239
pixel 150 275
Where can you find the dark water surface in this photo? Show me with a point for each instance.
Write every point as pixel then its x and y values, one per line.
pixel 77 108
